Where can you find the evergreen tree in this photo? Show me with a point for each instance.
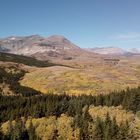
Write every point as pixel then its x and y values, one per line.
pixel 98 134
pixel 31 131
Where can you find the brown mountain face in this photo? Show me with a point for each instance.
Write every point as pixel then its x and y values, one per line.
pixel 53 47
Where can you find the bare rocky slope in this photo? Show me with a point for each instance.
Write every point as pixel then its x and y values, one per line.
pixel 53 47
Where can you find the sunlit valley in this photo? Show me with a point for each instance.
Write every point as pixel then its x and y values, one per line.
pixel 87 95
pixel 77 77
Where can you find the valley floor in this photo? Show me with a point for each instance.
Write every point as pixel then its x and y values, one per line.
pixel 57 102
pixel 84 77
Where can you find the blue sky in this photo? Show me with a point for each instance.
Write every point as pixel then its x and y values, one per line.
pixel 87 23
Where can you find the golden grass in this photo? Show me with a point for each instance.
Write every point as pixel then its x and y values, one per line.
pixel 92 79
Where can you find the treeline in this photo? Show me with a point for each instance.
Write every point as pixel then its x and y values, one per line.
pixel 12 107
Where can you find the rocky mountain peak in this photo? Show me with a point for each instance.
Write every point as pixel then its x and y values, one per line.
pixel 58 39
pixel 35 45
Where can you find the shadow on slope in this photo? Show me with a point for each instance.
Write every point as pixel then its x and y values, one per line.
pixel 6 57
pixel 11 78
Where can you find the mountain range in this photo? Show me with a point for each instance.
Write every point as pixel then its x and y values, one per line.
pixel 113 51
pixel 55 47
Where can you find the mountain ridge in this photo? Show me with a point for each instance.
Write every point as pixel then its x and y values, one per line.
pixel 113 51
pixel 55 46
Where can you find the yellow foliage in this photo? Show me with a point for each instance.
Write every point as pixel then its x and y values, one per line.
pixel 5 126
pixel 65 130
pixel 119 114
pixel 48 128
pixel 114 112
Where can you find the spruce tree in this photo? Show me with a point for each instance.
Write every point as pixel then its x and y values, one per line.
pixel 31 131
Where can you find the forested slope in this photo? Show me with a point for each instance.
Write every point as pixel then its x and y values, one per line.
pixel 28 114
